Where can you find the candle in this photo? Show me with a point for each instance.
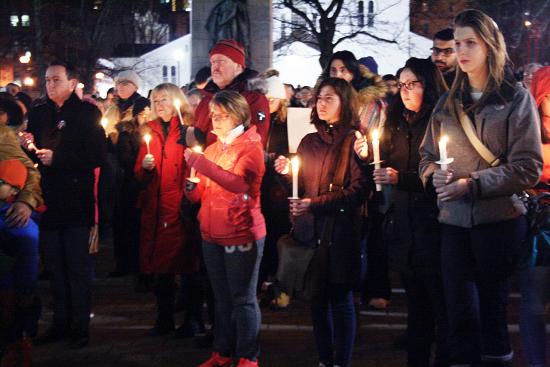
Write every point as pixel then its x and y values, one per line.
pixel 147 138
pixel 443 152
pixel 177 106
pixel 364 150
pixel 295 163
pixel 376 152
pixel 104 123
pixel 193 174
pixel 30 144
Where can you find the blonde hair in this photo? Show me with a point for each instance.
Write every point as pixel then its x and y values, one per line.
pixel 234 103
pixel 497 57
pixel 173 93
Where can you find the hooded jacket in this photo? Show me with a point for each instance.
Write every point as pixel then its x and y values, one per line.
pixel 229 190
pixel 10 149
pixel 258 103
pixel 371 91
pixel 508 125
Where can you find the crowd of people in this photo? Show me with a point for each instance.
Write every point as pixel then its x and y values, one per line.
pixel 418 173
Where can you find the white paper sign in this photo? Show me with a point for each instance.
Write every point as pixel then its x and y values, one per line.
pixel 298 124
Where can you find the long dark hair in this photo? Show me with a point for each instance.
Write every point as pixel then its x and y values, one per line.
pixel 350 62
pixel 432 82
pixel 348 101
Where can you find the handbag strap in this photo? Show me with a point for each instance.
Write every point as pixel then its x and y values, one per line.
pixel 468 128
pixel 337 184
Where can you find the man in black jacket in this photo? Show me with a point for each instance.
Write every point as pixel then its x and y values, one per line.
pixel 72 144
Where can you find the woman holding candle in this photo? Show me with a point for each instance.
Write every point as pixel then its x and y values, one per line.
pixel 126 215
pixel 332 311
pixel 165 246
pixel 482 221
pixel 371 91
pixel 411 231
pixel 232 226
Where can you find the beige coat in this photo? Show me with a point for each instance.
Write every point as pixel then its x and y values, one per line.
pixel 10 149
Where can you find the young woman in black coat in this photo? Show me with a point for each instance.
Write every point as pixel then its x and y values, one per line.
pixel 411 230
pixel 332 308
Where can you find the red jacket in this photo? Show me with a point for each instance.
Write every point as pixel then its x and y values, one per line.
pixel 229 190
pixel 258 103
pixel 164 246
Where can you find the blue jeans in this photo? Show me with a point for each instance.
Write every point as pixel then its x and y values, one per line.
pixel 66 255
pixel 476 264
pixel 334 325
pixel 535 293
pixel 22 243
pixel 233 272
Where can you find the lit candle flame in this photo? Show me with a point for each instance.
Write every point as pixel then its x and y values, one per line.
pixel 104 122
pixel 177 103
pixel 197 149
pixel 375 134
pixel 147 138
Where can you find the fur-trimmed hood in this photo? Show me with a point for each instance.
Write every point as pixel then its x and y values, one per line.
pixel 369 88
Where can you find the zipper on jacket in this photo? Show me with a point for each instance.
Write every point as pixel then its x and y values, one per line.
pixel 157 221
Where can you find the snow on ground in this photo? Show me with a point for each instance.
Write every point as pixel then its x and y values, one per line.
pixel 299 63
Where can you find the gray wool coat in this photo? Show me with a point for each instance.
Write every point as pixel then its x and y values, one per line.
pixel 508 125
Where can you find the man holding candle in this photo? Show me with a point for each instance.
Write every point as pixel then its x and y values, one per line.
pixel 227 59
pixel 72 144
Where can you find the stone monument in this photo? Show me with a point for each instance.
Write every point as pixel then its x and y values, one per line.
pixel 212 19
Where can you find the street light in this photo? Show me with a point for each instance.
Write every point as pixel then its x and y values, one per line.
pixel 28 81
pixel 528 23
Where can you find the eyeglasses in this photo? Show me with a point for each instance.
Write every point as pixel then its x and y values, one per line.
pixel 408 85
pixel 219 116
pixel 445 51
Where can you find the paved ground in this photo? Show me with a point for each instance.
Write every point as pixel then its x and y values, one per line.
pixel 122 319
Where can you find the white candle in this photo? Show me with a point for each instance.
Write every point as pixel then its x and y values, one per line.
pixel 443 151
pixel 30 144
pixel 193 173
pixel 376 152
pixel 295 163
pixel 147 138
pixel 104 123
pixel 177 106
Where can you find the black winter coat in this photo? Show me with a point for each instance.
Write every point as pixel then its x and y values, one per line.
pixel 78 141
pixel 411 229
pixel 318 153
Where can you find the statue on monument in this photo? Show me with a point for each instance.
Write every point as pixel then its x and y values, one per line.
pixel 229 19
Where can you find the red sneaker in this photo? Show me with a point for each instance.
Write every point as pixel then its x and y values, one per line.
pixel 243 362
pixel 216 360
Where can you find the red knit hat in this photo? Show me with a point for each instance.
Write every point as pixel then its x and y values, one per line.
pixel 230 48
pixel 13 172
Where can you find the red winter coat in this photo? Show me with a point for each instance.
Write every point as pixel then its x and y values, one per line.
pixel 258 103
pixel 229 190
pixel 164 246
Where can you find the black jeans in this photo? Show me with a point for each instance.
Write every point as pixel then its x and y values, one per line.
pixel 476 265
pixel 66 255
pixel 426 321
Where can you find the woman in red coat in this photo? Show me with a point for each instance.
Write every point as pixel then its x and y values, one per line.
pixel 232 227
pixel 165 249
